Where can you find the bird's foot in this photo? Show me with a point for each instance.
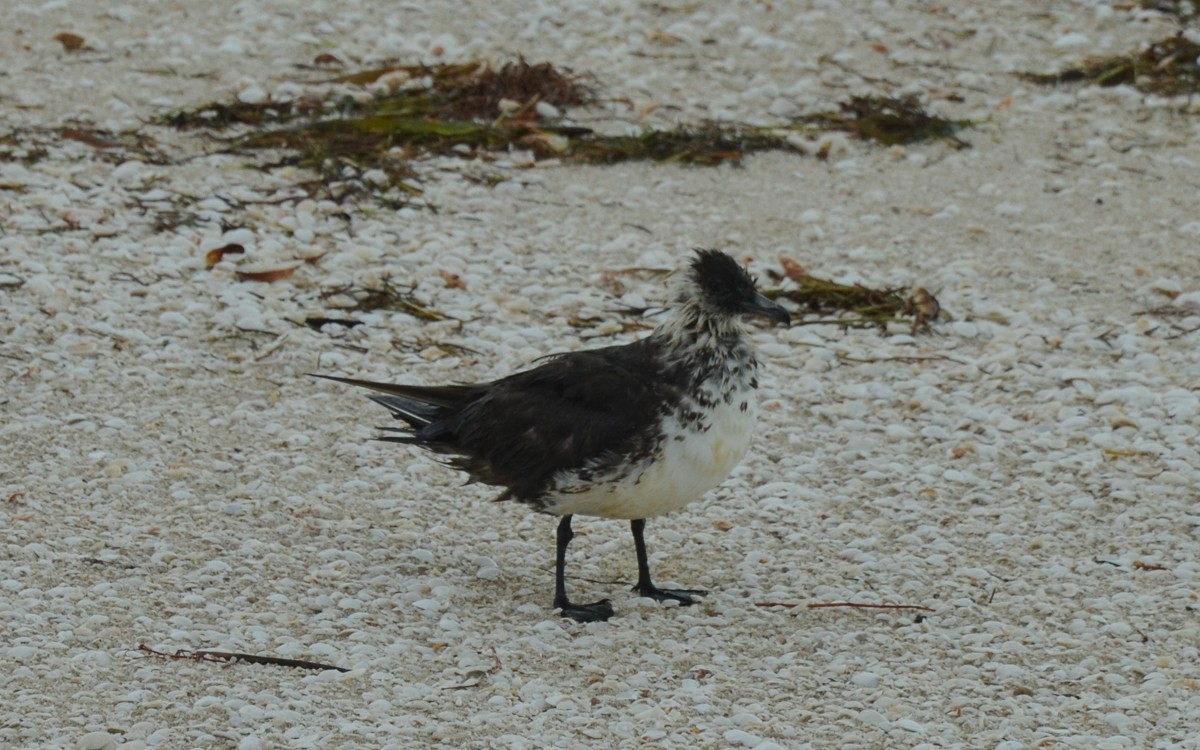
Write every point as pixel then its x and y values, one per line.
pixel 685 597
pixel 594 612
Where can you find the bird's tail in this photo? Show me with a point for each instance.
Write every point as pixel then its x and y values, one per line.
pixel 420 406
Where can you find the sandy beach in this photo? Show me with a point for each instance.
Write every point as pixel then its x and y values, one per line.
pixel 1019 483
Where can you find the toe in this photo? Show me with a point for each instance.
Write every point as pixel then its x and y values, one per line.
pixel 594 612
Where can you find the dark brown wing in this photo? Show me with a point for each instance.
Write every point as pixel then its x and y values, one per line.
pixel 576 408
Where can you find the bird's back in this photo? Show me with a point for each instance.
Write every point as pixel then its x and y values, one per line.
pixel 519 432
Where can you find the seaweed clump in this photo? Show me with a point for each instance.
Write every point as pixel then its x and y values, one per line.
pixel 1168 67
pixel 382 295
pixel 476 110
pixel 867 306
pixel 891 120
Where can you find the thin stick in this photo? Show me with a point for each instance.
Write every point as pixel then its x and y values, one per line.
pixel 861 605
pixel 231 658
pixel 910 359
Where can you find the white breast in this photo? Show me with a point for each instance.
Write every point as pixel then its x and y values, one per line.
pixel 691 461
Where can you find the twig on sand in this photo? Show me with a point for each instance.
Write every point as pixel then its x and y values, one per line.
pixel 862 605
pixel 232 658
pixel 857 605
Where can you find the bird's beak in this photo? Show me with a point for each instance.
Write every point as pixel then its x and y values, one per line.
pixel 760 305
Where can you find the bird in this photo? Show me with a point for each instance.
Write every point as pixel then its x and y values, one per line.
pixel 630 431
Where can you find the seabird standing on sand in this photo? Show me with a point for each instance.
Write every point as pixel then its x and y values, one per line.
pixel 631 431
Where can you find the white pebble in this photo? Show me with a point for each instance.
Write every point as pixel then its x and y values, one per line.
pixel 22 653
pixel 873 718
pixel 1071 39
pixel 741 737
pixel 547 111
pixel 127 172
pixel 1187 301
pixel 96 741
pixel 252 94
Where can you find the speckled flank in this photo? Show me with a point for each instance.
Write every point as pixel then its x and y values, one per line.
pixel 698 448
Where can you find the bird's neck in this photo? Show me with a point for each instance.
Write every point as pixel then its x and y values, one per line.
pixel 691 330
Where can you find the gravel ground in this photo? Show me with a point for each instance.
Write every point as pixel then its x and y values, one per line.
pixel 1027 471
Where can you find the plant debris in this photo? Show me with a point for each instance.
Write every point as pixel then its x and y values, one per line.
pixel 864 605
pixel 217 254
pixel 116 147
pixel 383 295
pixel 438 93
pixel 315 322
pixel 706 144
pixel 475 110
pixel 226 657
pixel 70 42
pixel 219 116
pixel 873 307
pixel 31 145
pixel 1168 67
pixel 1184 11
pixel 16 147
pixel 891 120
pixel 604 326
pixel 812 294
pixel 268 275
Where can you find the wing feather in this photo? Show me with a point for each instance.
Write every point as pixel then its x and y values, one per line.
pixel 573 411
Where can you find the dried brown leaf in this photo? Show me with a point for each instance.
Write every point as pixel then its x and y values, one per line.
pixel 217 254
pixel 274 274
pixel 70 42
pixel 792 269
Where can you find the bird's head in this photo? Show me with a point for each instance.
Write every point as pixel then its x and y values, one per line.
pixel 721 289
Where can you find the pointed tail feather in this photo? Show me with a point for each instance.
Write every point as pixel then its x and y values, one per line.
pixel 416 413
pixel 416 404
pixel 437 395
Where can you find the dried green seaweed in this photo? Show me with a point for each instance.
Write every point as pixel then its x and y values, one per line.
pixel 475 110
pixel 820 301
pixel 891 120
pixel 867 307
pixel 218 115
pixel 1168 67
pixel 463 91
pixel 383 295
pixel 706 144
pixel 390 135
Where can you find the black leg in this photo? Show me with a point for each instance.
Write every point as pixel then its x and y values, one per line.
pixel 645 586
pixel 594 612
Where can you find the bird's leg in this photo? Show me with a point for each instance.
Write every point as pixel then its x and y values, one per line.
pixel 645 586
pixel 594 612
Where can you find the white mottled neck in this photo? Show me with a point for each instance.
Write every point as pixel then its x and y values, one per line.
pixel 694 324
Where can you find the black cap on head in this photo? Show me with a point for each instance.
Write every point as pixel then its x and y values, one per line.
pixel 727 287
